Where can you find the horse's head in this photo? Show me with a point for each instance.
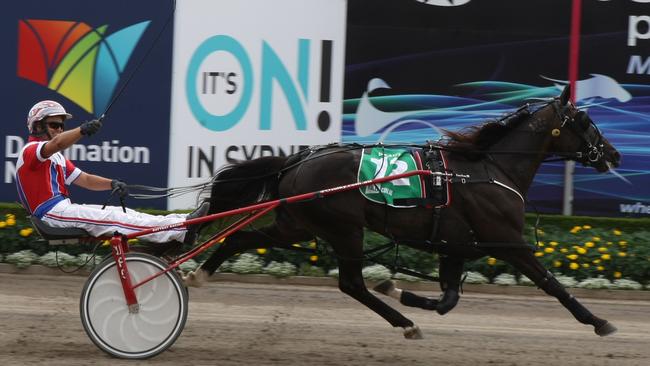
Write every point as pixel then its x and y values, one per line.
pixel 576 135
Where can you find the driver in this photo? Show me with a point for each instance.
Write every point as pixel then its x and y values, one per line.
pixel 42 174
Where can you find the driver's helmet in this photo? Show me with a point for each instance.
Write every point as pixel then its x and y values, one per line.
pixel 45 108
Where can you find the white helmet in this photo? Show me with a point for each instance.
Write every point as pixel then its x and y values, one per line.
pixel 45 108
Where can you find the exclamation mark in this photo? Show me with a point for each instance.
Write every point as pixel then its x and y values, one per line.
pixel 325 80
pixel 190 160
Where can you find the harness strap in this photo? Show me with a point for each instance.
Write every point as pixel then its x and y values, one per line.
pixel 510 189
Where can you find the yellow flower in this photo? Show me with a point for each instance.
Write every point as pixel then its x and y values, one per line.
pixel 2 224
pixel 606 257
pixel 11 222
pixel 295 245
pixel 572 256
pixel 622 254
pixel 549 250
pixel 553 243
pixel 595 261
pixel 575 229
pixel 574 265
pixel 132 241
pixel 564 250
pixel 602 250
pixel 540 232
pixel 585 265
pixel 622 243
pixel 312 244
pixel 600 268
pixel 106 243
pixel 26 232
pixel 541 244
pixel 586 227
pixel 581 250
pixel 539 254
pixel 10 216
pixel 595 238
pixel 261 251
pixel 617 274
pixel 590 244
pixel 491 261
pixel 313 258
pixel 617 232
pixel 557 264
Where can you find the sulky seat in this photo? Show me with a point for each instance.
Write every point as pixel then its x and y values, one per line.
pixel 59 235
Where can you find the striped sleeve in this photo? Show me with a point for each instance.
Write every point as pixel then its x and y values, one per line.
pixel 72 172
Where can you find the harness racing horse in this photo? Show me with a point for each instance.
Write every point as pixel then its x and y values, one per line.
pixel 486 217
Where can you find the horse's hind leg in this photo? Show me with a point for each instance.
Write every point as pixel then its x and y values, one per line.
pixel 525 261
pixel 239 242
pixel 348 246
pixel 351 283
pixel 451 269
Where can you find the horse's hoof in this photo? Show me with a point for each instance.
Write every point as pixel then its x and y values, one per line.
pixel 413 332
pixel 606 329
pixel 195 278
pixel 385 287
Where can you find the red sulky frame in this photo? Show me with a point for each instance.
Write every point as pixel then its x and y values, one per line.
pixel 119 242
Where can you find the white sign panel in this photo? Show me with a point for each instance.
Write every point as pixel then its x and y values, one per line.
pixel 252 78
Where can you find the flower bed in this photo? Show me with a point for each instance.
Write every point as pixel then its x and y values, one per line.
pixel 608 253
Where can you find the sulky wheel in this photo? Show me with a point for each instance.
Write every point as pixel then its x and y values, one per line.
pixel 154 328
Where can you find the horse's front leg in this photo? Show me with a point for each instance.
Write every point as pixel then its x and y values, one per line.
pixel 525 261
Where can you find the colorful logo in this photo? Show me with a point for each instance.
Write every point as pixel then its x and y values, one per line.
pixel 75 60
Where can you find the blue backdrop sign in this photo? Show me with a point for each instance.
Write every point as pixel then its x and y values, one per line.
pixel 81 54
pixel 414 68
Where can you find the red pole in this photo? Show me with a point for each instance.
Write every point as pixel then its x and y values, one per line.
pixel 574 46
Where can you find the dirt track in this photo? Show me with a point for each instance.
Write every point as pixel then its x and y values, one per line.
pixel 247 324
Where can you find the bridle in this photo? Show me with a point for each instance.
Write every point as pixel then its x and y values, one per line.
pixel 591 150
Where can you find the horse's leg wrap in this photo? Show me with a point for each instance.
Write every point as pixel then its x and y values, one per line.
pixel 411 299
pixel 451 269
pixel 447 301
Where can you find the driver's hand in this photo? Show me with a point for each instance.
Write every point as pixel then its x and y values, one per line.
pixel 120 187
pixel 89 128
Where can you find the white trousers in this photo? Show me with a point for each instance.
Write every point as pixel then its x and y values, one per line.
pixel 98 222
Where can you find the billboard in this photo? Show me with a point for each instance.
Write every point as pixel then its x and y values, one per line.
pixel 82 54
pixel 416 67
pixel 252 78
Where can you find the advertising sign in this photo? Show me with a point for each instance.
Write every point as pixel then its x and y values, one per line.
pixel 81 54
pixel 252 78
pixel 417 67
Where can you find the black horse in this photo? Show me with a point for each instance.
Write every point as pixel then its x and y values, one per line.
pixel 486 217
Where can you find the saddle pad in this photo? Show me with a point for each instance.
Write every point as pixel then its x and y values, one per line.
pixel 379 162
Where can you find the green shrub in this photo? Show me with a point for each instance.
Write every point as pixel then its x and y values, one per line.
pixel 610 248
pixel 247 263
pixel 280 269
pixel 307 269
pixel 53 259
pixel 22 259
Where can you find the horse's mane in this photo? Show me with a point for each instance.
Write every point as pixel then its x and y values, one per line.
pixel 473 141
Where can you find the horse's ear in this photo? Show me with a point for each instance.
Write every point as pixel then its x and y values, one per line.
pixel 566 94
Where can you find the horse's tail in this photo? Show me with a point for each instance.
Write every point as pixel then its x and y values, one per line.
pixel 245 183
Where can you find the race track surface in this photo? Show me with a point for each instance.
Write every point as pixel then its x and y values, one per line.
pixel 249 324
